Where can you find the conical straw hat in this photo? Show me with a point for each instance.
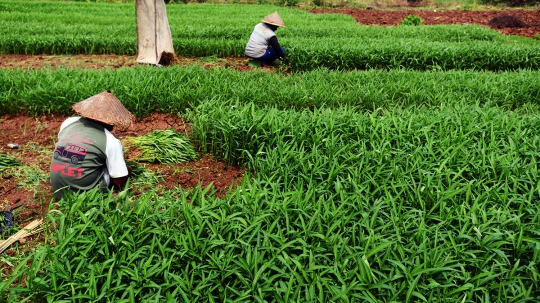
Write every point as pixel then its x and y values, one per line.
pixel 104 107
pixel 274 19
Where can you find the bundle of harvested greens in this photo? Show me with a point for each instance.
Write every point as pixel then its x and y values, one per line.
pixel 7 161
pixel 165 146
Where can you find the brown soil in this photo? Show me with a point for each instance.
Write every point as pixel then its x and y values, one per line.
pixel 507 21
pixel 101 62
pixel 530 18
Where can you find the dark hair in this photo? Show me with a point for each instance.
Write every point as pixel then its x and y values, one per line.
pixel 272 26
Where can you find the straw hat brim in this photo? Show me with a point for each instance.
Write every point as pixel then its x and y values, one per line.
pixel 274 19
pixel 106 108
pixel 273 23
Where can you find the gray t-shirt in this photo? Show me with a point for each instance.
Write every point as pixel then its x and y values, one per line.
pixel 258 42
pixel 84 157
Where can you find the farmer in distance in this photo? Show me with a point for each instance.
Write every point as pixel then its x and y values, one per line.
pixel 263 45
pixel 87 155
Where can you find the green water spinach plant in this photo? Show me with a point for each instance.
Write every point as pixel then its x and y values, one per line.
pixel 144 90
pixel 265 242
pixel 413 20
pixel 40 29
pixel 165 146
pixel 7 161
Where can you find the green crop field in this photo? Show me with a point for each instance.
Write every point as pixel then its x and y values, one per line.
pixel 391 164
pixel 313 41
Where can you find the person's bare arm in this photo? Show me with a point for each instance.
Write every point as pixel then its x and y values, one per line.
pixel 119 183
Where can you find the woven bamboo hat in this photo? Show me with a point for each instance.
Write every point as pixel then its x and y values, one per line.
pixel 105 108
pixel 274 19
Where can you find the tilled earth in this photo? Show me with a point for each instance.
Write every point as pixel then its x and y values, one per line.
pixel 28 189
pixel 529 27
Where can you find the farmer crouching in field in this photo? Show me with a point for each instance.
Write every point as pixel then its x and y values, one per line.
pixel 263 45
pixel 87 155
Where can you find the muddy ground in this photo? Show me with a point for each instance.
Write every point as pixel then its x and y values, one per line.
pixel 500 20
pixel 28 189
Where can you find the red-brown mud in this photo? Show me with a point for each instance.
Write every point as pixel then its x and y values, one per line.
pixel 531 18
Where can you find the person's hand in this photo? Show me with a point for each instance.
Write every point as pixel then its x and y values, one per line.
pixel 285 62
pixel 129 169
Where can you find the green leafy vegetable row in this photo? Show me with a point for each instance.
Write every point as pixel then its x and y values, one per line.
pixel 416 204
pixel 311 41
pixel 144 90
pixel 165 146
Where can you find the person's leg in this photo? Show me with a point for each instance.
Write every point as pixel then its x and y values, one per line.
pixel 269 56
pixel 60 193
pixel 105 183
